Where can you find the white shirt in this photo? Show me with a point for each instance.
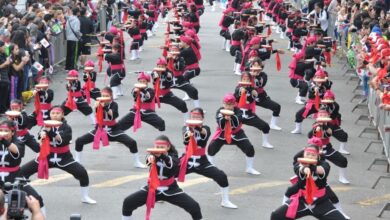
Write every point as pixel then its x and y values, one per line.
pixel 320 18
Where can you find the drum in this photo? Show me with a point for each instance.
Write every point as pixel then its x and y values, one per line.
pixel 41 86
pixel 226 112
pixel 193 123
pixel 156 150
pixel 140 86
pixel 52 123
pixel 307 161
pixel 88 68
pixel 103 99
pixel 13 114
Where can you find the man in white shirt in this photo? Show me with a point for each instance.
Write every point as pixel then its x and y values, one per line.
pixel 320 17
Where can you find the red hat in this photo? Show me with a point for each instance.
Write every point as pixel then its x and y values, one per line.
pixel 228 10
pixel 311 39
pixel 229 98
pixel 315 141
pixel 187 24
pixel 192 34
pixel 73 73
pixel 161 61
pixel 113 30
pixel 299 55
pixel 329 95
pixel 255 40
pixel 151 7
pixel 186 39
pixel 247 5
pixel 144 76
pixel 89 63
pixel 320 74
pixel 253 53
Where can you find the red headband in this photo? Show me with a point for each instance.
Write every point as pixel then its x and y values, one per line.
pixel 5 126
pixel 161 143
pixel 14 104
pixel 196 113
pixel 57 109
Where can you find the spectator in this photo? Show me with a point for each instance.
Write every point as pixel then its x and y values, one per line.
pixel 10 9
pixel 86 28
pixel 73 35
pixel 19 60
pixel 4 79
pixel 320 17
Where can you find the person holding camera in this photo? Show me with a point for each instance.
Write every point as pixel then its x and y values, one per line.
pixel 12 152
pixel 32 204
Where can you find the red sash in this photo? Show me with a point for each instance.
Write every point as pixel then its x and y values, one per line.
pixel 21 133
pixel 59 150
pixel 9 169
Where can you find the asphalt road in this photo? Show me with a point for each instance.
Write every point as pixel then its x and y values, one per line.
pixel 113 177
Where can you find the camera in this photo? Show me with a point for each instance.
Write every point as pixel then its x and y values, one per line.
pixel 16 198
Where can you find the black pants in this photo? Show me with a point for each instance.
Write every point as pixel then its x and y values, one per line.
pixel 291 190
pixel 299 115
pixel 4 93
pixel 334 156
pixel 267 103
pixel 191 91
pixel 323 211
pixel 72 48
pixel 244 144
pixel 301 85
pixel 176 102
pixel 237 55
pixel 212 172
pixel 191 73
pixel 75 169
pixel 256 122
pixel 121 138
pixel 116 76
pixel 82 106
pixel 338 133
pixel 149 117
pixel 182 200
pixel 30 141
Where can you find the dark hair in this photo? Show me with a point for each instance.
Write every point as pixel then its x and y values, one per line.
pixel 172 149
pixel 10 124
pixel 83 11
pixel 107 89
pixel 17 101
pixel 75 10
pixel 246 74
pixel 198 109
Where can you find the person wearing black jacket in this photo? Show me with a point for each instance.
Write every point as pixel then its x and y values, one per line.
pixel 4 79
pixel 86 29
pixel 166 166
